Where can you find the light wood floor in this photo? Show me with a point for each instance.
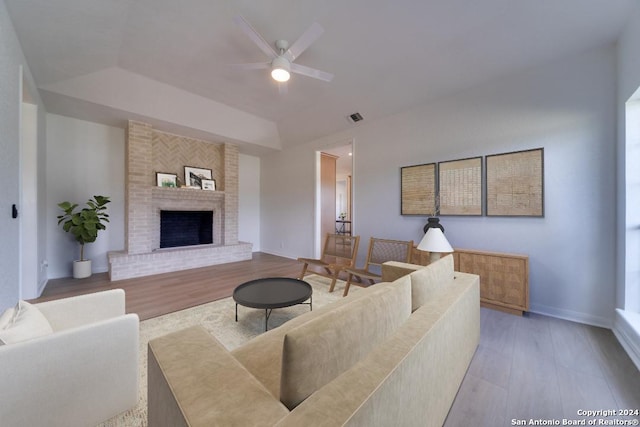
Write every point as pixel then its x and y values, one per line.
pixel 153 296
pixel 539 367
pixel 530 367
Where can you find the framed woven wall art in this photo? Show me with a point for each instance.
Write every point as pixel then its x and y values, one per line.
pixel 418 190
pixel 460 187
pixel 515 183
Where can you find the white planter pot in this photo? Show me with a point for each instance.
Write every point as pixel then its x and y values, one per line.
pixel 81 269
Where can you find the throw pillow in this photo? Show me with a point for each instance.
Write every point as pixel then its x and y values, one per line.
pixel 26 322
pixel 318 351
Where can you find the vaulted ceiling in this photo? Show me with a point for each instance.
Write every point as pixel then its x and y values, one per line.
pixel 386 56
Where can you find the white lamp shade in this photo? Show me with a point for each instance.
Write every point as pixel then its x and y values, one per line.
pixel 434 241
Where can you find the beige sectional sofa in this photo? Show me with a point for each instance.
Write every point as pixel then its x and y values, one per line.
pixel 392 354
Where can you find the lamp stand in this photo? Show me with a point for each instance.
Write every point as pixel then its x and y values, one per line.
pixel 434 256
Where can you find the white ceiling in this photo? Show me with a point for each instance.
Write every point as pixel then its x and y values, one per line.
pixel 386 56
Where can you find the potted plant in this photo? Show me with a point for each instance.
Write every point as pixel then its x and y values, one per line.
pixel 84 226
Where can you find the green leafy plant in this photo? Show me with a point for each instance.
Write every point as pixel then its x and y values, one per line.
pixel 85 223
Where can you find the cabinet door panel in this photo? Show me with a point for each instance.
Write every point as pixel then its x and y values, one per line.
pixel 502 278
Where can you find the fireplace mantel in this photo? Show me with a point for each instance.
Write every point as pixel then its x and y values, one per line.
pixel 186 194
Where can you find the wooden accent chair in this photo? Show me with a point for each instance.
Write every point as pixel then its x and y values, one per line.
pixel 339 253
pixel 380 250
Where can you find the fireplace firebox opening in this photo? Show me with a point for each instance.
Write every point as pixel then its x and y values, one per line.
pixel 185 228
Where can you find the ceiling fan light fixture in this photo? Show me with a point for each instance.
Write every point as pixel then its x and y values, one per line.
pixel 280 75
pixel 280 69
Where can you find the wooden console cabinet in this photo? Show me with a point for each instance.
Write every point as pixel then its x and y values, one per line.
pixel 504 278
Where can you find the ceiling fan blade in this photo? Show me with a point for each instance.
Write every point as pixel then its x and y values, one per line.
pixel 255 36
pixel 311 72
pixel 251 66
pixel 306 39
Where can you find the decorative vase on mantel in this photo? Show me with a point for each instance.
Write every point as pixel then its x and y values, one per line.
pixel 433 222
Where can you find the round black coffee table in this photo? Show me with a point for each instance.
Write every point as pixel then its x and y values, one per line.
pixel 272 292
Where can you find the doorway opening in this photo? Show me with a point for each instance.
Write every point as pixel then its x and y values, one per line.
pixel 334 213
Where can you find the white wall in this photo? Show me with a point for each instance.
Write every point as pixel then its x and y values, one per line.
pixel 567 107
pixel 11 59
pixel 628 219
pixel 10 98
pixel 249 200
pixel 29 227
pixel 287 183
pixel 83 159
pixel 627 322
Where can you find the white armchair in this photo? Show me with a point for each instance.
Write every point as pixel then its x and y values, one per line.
pixel 84 373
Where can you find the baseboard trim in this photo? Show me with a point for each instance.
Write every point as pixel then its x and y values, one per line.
pixel 573 316
pixel 42 286
pixel 276 253
pixel 626 328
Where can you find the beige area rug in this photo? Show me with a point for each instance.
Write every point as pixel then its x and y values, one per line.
pixel 218 317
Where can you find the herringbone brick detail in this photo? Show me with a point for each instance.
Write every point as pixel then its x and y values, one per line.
pixel 171 153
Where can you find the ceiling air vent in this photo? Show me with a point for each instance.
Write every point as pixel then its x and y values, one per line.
pixel 355 117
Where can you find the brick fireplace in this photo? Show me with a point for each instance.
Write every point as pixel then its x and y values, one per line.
pixel 149 151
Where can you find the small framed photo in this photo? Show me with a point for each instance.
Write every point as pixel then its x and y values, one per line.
pixel 209 184
pixel 166 179
pixel 193 176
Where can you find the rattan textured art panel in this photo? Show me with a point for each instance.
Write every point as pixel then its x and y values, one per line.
pixel 460 187
pixel 515 184
pixel 418 190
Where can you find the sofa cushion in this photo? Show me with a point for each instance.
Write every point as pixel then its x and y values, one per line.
pixel 426 281
pixel 22 323
pixel 195 381
pixel 6 317
pixel 319 350
pixel 262 356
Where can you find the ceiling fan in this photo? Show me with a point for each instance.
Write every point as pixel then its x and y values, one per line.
pixel 281 59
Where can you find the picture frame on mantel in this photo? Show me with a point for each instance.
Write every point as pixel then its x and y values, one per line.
pixel 209 184
pixel 166 180
pixel 193 176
